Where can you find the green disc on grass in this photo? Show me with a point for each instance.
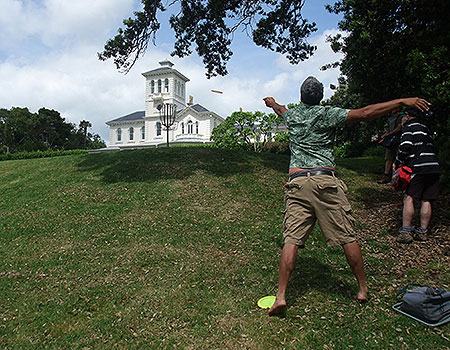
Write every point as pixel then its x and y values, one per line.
pixel 266 302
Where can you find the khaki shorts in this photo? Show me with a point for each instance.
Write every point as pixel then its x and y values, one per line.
pixel 322 198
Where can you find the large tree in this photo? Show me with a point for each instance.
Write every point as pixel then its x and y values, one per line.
pixel 21 130
pixel 393 47
pixel 209 27
pixel 397 48
pixel 83 127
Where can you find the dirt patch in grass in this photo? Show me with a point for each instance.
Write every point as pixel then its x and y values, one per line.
pixel 380 219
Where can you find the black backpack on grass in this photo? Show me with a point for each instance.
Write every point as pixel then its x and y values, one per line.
pixel 428 304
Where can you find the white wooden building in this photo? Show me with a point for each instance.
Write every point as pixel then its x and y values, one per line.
pixel 193 124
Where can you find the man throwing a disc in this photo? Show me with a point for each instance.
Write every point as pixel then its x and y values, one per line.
pixel 314 191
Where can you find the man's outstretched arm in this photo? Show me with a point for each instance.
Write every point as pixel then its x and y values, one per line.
pixel 277 108
pixel 377 110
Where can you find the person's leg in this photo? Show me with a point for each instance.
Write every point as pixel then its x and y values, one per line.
pixel 355 260
pixel 430 193
pixel 388 166
pixel 405 233
pixel 408 210
pixel 287 263
pixel 425 214
pixel 389 160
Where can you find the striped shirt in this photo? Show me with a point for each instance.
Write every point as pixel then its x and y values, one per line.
pixel 416 148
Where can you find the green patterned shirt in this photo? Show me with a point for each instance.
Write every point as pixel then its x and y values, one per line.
pixel 312 131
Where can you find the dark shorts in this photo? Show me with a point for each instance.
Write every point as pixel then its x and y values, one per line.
pixel 390 153
pixel 424 187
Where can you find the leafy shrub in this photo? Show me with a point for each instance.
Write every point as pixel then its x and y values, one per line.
pixel 342 151
pixel 350 149
pixel 276 147
pixel 282 137
pixel 374 151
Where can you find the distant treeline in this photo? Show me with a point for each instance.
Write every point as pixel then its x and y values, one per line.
pixel 24 131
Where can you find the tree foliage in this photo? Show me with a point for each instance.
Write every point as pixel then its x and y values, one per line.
pixel 22 130
pixel 397 48
pixel 246 130
pixel 209 27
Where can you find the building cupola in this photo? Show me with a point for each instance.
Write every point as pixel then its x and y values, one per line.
pixel 166 63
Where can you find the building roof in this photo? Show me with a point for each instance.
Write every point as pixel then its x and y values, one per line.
pixel 139 115
pixel 165 69
pixel 199 108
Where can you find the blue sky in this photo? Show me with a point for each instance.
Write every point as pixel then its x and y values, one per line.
pixel 48 58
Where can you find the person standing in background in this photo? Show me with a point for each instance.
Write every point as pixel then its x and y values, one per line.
pixel 416 151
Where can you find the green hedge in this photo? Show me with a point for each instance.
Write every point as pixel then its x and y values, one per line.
pixel 276 147
pixel 40 154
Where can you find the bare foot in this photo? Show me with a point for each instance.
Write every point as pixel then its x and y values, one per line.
pixel 278 307
pixel 362 296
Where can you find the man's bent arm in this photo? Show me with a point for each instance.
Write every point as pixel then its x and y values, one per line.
pixel 277 108
pixel 377 110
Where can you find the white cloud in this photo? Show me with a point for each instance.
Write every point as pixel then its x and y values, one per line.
pixel 84 20
pixel 283 82
pixel 58 23
pixel 323 55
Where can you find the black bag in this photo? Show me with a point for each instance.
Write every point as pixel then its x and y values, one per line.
pixel 429 305
pixel 390 141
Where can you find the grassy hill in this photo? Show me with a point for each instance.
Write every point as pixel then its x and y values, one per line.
pixel 172 248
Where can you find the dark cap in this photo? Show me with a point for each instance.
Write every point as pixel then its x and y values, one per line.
pixel 311 91
pixel 413 112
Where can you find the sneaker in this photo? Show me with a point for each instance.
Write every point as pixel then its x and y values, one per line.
pixel 404 237
pixel 420 234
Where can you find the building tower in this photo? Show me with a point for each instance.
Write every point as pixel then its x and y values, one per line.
pixel 164 85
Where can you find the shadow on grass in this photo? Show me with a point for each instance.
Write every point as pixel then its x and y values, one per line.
pixel 362 165
pixel 373 197
pixel 311 274
pixel 150 165
pixel 377 197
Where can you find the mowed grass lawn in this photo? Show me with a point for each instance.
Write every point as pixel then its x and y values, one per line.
pixel 171 249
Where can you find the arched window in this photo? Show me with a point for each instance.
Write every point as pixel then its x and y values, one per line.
pixel 190 127
pixel 152 87
pixel 158 129
pixel 182 128
pixel 182 89
pixel 131 134
pixel 159 85
pixel 196 127
pixel 143 132
pixel 178 87
pixel 119 134
pixel 166 85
